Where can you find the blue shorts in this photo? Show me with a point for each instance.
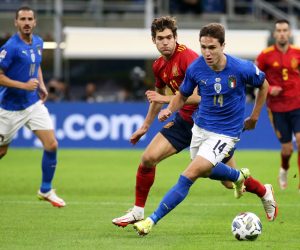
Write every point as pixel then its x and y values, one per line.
pixel 179 133
pixel 286 124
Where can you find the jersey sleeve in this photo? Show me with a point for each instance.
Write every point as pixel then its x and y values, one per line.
pixel 260 62
pixel 7 54
pixel 188 85
pixel 255 77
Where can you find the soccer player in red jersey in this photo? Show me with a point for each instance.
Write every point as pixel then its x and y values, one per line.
pixel 281 62
pixel 169 71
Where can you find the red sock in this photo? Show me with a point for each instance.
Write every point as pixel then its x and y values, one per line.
pixel 144 180
pixel 255 187
pixel 285 161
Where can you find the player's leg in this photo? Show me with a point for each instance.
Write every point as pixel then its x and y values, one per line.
pixel 41 124
pixel 174 137
pixel 283 129
pixel 201 166
pixel 3 150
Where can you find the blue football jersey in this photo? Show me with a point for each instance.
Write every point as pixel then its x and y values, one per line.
pixel 223 94
pixel 20 61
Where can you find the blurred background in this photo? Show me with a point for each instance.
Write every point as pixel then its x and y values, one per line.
pixel 100 51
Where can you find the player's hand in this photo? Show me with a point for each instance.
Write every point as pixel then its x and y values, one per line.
pixel 153 96
pixel 31 85
pixel 164 114
pixel 43 93
pixel 275 90
pixel 250 123
pixel 136 136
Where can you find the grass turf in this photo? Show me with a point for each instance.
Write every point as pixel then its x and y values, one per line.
pixel 98 185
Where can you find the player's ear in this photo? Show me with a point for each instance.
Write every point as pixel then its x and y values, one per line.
pixel 153 40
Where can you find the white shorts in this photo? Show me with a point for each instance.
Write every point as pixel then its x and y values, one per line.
pixel 35 117
pixel 211 146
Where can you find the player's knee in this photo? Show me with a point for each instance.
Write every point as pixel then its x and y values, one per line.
pixel 51 146
pixel 287 150
pixel 227 184
pixel 3 153
pixel 148 160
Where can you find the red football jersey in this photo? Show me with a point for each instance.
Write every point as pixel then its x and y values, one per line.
pixel 171 73
pixel 282 69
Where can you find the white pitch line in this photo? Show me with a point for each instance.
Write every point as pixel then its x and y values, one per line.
pixel 107 203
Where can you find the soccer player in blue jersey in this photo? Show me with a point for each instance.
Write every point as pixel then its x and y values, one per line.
pixel 22 94
pixel 221 80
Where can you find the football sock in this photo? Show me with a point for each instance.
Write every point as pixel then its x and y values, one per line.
pixel 175 195
pixel 285 161
pixel 254 186
pixel 48 170
pixel 223 172
pixel 144 180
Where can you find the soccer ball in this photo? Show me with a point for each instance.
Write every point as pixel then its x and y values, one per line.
pixel 246 226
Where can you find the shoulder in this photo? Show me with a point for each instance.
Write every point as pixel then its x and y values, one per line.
pixel 239 63
pixel 296 48
pixel 268 49
pixel 37 39
pixel 184 50
pixel 158 63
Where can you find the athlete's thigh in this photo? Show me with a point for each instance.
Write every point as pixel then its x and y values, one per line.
pixel 10 123
pixel 159 148
pixel 198 167
pixel 39 118
pixel 283 126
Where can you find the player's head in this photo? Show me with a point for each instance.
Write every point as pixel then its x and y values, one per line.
pixel 282 32
pixel 25 20
pixel 164 35
pixel 212 43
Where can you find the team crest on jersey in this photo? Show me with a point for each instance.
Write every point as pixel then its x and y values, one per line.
pixel 232 82
pixel 175 70
pixel 3 54
pixel 275 64
pixel 294 63
pixel 217 85
pixel 39 50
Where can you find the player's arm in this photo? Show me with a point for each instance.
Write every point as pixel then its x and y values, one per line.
pixel 154 96
pixel 5 81
pixel 260 99
pixel 43 93
pixel 176 103
pixel 153 110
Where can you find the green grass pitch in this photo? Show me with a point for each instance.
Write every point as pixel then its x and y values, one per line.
pixel 98 185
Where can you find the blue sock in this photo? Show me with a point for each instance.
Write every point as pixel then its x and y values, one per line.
pixel 175 195
pixel 48 170
pixel 223 172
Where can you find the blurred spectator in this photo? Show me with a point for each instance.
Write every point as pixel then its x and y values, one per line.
pixel 91 95
pixel 213 6
pixel 243 7
pixel 185 6
pixel 138 88
pixel 58 91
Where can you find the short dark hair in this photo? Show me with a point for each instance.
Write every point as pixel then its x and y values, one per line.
pixel 162 23
pixel 214 30
pixel 282 21
pixel 24 8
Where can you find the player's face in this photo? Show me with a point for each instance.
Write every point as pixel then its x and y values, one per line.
pixel 25 22
pixel 212 51
pixel 282 34
pixel 165 43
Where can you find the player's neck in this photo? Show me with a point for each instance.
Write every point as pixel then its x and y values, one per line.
pixel 283 48
pixel 27 38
